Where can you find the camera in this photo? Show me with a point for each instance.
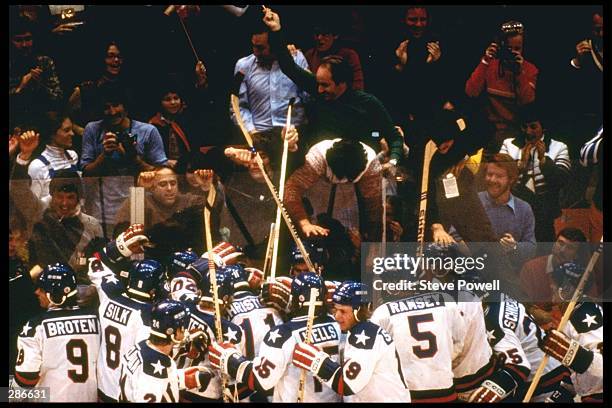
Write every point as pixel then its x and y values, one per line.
pixel 126 138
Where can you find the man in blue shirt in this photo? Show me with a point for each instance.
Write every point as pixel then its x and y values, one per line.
pixel 265 92
pixel 511 218
pixel 116 149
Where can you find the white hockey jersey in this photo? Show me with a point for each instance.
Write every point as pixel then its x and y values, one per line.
pixel 147 375
pixel 512 332
pixel 371 367
pixel 254 318
pixel 473 361
pixel 586 326
pixel 201 319
pixel 124 322
pixel 59 349
pixel 273 366
pixel 426 329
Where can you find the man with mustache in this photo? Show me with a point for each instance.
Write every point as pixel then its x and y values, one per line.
pixel 511 218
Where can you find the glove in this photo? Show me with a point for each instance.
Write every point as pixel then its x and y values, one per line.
pixel 569 352
pixel 561 395
pixel 276 295
pixel 127 243
pixel 494 389
pixel 200 340
pixel 194 377
pixel 224 254
pixel 219 355
pixel 255 278
pixel 314 360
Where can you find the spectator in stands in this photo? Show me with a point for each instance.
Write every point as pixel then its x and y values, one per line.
pixel 327 43
pixel 507 79
pixel 544 168
pixel 34 86
pixel 591 156
pixel 264 94
pixel 511 218
pixel 64 231
pixel 163 199
pixel 176 121
pixel 56 156
pixel 116 149
pixel 337 111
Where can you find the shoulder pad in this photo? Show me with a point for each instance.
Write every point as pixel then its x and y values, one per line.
pixel 494 331
pixel 231 332
pixel 277 336
pixel 154 363
pixel 586 317
pixel 363 335
pixel 29 328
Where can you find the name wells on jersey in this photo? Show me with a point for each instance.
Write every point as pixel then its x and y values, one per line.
pixel 320 334
pixel 85 325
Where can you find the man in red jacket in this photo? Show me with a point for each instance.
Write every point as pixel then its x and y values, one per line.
pixel 508 80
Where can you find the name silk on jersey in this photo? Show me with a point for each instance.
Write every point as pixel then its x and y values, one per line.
pixel 62 345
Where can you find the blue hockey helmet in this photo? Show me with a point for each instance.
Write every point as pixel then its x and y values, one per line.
pixel 179 261
pixel 301 287
pixel 238 276
pixel 167 318
pixel 354 294
pixel 145 279
pixel 59 281
pixel 224 287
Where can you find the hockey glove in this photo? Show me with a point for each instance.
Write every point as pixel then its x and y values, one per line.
pixel 255 278
pixel 314 360
pixel 220 354
pixel 494 389
pixel 200 341
pixel 194 377
pixel 569 352
pixel 276 295
pixel 127 243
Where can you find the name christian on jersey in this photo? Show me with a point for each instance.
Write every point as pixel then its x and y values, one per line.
pixel 427 301
pixel 244 305
pixel 117 313
pixel 85 325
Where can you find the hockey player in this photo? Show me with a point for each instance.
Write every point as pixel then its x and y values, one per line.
pixel 370 370
pixel 428 329
pixel 202 319
pixel 59 348
pixel 514 336
pixel 148 374
pixel 124 319
pixel 178 263
pixel 272 367
pixel 317 253
pixel 579 346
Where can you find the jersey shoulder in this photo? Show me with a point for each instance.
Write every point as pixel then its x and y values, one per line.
pixel 154 363
pixel 586 317
pixel 363 335
pixel 495 332
pixel 278 335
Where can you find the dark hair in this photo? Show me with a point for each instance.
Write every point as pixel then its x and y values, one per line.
pixel 51 123
pixel 340 69
pixel 112 93
pixel 110 44
pixel 346 158
pixel 573 234
pixel 67 181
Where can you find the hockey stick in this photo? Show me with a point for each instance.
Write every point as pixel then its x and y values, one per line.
pixel 281 192
pixel 210 200
pixel 311 311
pixel 430 149
pixel 568 312
pixel 269 249
pixel 294 234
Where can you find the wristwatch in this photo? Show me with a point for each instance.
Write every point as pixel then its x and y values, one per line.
pixel 393 162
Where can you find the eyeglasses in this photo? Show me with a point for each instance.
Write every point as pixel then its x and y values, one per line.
pixel 25 38
pixel 113 56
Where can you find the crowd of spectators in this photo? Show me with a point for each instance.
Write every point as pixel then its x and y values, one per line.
pixel 364 107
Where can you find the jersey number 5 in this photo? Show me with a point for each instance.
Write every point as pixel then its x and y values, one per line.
pixel 413 324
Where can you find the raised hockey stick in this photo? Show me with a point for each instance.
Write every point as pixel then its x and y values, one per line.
pixel 281 192
pixel 430 149
pixel 269 246
pixel 294 234
pixel 210 200
pixel 311 311
pixel 568 312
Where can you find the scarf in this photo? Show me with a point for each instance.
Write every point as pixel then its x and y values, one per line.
pixel 159 120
